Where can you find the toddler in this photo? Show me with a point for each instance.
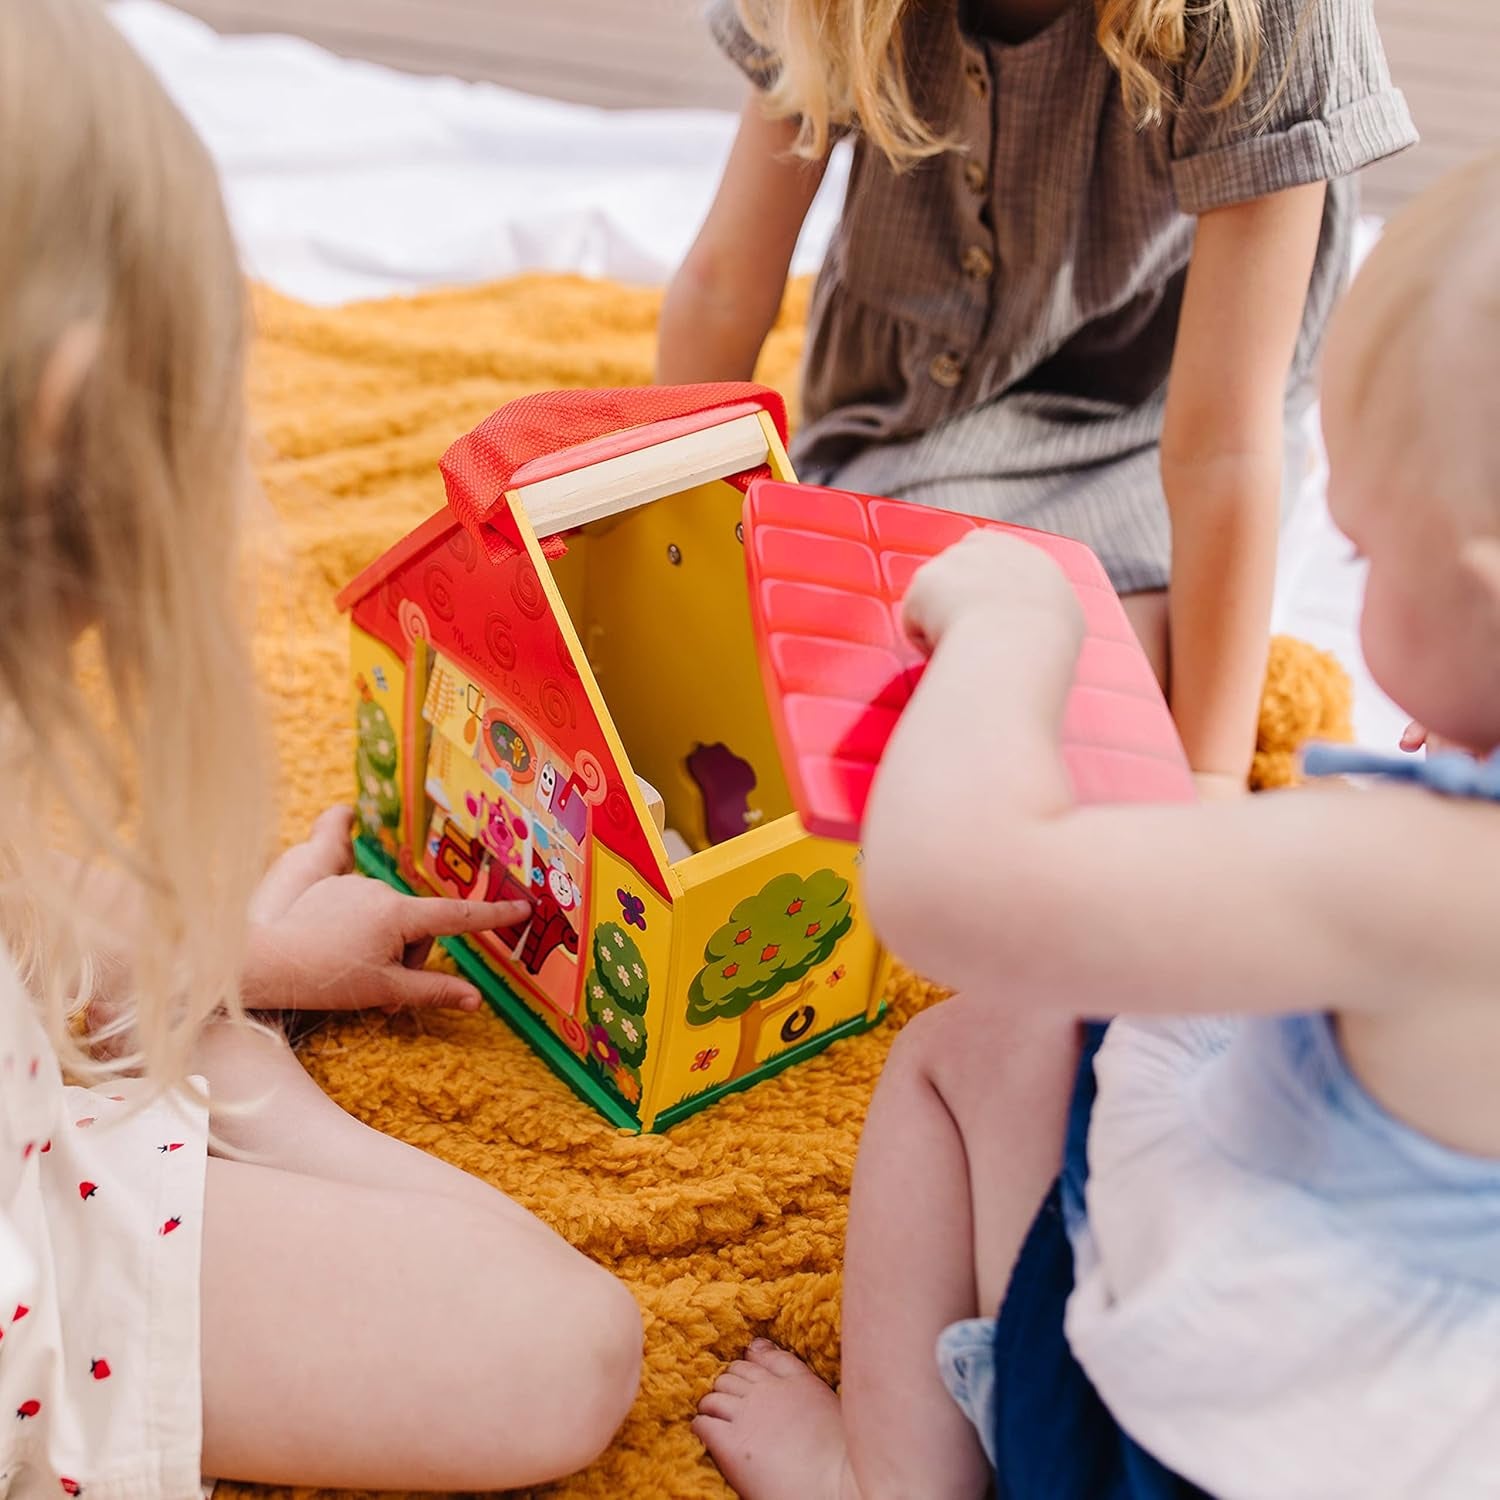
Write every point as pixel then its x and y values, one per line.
pixel 1269 1267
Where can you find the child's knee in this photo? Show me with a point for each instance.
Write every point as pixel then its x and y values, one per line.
pixel 595 1352
pixel 610 1338
pixel 946 1030
pixel 974 1042
pixel 576 1369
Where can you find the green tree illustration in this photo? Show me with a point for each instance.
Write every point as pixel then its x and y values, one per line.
pixel 378 801
pixel 755 965
pixel 616 991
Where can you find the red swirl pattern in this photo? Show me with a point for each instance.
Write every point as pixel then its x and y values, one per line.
pixel 573 1034
pixel 557 705
pixel 618 812
pixel 526 590
pixel 438 587
pixel 413 622
pixel 500 642
pixel 464 548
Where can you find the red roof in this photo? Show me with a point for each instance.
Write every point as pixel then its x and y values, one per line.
pixel 552 433
pixel 828 572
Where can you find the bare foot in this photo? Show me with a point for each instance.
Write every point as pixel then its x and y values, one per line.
pixel 775 1430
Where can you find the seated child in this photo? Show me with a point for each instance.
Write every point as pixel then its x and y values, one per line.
pixel 304 1301
pixel 1269 1268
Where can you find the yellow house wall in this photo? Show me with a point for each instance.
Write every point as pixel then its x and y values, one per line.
pixel 673 648
pixel 843 987
pixel 611 877
pixel 383 675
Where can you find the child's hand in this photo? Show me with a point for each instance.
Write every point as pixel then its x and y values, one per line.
pixel 323 939
pixel 988 570
pixel 1417 738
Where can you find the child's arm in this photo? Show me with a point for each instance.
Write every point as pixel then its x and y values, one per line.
pixel 726 294
pixel 1222 444
pixel 982 874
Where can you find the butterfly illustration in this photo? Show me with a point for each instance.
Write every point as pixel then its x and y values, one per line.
pixel 633 908
pixel 704 1060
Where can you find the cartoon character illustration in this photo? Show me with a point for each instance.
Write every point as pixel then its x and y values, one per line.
pixel 500 832
pixel 461 863
pixel 504 747
pixel 569 801
pixel 566 805
pixel 457 859
pixel 553 896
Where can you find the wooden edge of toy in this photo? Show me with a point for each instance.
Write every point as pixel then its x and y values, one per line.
pixel 707 865
pixel 506 1004
pixel 627 440
pixel 776 455
pixel 667 883
pixel 623 483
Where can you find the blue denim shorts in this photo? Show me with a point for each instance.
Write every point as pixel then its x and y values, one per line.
pixel 1045 1430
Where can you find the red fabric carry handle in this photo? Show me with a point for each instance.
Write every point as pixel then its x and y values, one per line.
pixel 480 468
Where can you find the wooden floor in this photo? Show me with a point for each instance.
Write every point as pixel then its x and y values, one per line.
pixel 1445 54
pixel 615 53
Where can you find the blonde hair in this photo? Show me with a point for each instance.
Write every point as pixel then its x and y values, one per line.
pixel 1414 353
pixel 843 63
pixel 122 472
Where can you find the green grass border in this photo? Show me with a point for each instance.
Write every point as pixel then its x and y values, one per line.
pixel 768 1069
pixel 568 1066
pixel 504 1001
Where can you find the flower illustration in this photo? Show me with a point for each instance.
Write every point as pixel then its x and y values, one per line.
pixel 601 1048
pixel 628 1085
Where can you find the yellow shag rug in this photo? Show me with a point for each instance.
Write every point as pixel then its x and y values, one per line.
pixel 732 1225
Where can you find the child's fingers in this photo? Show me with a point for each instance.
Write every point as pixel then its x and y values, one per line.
pixel 325 852
pixel 431 990
pixel 1413 737
pixel 439 916
pixel 333 832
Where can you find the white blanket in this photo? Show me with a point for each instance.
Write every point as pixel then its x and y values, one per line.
pixel 346 180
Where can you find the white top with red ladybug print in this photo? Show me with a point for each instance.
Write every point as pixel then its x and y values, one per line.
pixel 101 1203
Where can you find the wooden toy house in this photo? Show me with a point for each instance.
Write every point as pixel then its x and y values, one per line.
pixel 558 695
pixel 638 675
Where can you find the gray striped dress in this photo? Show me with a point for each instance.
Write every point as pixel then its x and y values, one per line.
pixel 992 330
